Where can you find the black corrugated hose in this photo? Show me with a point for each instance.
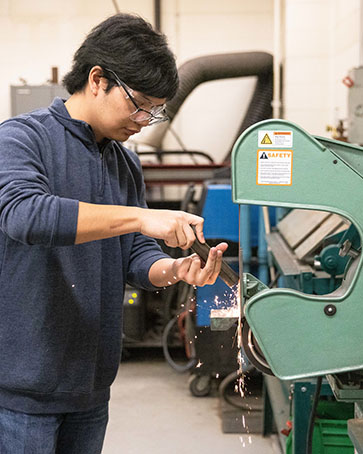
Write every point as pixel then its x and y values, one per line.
pixel 224 66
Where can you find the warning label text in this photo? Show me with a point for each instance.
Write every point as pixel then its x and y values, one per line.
pixel 275 138
pixel 274 167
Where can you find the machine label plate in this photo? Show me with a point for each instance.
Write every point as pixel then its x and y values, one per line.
pixel 274 167
pixel 275 139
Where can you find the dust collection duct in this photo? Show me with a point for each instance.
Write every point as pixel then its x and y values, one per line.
pixel 223 66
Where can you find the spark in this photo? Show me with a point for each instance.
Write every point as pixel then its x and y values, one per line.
pixel 241 387
pixel 199 363
pixel 217 375
pixel 73 285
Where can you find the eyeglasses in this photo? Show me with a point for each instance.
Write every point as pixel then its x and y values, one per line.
pixel 156 114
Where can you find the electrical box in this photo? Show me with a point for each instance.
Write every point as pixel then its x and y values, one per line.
pixel 355 106
pixel 134 314
pixel 25 98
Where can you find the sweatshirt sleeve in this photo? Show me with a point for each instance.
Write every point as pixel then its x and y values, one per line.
pixel 145 250
pixel 29 212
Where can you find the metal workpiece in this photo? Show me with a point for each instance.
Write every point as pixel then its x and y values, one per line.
pixel 223 319
pixel 299 335
pixel 227 274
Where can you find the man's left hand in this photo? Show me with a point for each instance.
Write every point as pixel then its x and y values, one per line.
pixel 194 271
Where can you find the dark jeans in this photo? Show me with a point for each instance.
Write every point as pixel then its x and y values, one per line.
pixel 63 433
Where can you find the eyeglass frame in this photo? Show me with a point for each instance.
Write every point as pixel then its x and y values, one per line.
pixel 154 119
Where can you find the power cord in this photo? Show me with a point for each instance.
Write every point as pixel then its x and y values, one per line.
pixel 177 367
pixel 224 386
pixel 309 438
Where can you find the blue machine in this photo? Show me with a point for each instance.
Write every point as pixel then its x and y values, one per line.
pixel 217 351
pixel 221 222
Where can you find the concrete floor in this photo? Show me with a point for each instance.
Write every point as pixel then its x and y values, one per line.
pixel 153 412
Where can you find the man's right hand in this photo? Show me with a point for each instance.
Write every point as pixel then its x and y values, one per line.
pixel 174 227
pixel 96 222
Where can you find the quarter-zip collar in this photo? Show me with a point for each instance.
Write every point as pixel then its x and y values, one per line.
pixel 79 128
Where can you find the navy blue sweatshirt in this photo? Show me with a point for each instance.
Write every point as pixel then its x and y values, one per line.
pixel 61 303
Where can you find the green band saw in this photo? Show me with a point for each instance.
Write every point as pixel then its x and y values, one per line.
pixel 285 332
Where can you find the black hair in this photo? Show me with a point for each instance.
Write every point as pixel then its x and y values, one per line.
pixel 129 46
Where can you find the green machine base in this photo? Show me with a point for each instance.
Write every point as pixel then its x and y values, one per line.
pixel 276 163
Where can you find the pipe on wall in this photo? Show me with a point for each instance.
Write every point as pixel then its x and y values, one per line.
pixel 223 66
pixel 157 15
pixel 278 53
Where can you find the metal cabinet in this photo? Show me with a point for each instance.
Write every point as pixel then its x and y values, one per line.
pixel 25 98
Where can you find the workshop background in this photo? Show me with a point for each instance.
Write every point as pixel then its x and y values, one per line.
pixel 161 402
pixel 319 42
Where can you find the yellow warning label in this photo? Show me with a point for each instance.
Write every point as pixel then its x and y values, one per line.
pixel 275 138
pixel 266 140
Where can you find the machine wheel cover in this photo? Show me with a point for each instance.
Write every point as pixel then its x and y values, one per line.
pixel 252 349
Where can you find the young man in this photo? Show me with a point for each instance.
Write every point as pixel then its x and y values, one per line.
pixel 74 228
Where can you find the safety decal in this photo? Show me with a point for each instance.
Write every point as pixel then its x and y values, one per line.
pixel 275 139
pixel 274 167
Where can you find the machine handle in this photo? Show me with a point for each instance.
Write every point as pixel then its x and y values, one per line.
pixel 227 274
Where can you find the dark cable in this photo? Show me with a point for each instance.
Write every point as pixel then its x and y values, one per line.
pixel 309 438
pixel 179 368
pixel 223 391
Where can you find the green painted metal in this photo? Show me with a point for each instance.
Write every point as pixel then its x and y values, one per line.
pixel 303 392
pixel 331 261
pixel 296 336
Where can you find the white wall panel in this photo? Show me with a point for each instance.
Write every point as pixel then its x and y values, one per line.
pixel 40 34
pixel 322 44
